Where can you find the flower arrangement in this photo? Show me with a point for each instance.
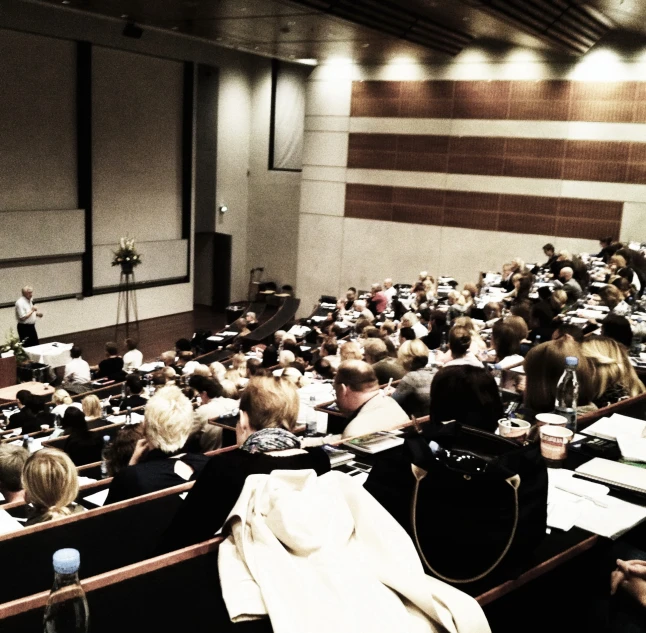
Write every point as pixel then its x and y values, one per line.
pixel 13 344
pixel 126 255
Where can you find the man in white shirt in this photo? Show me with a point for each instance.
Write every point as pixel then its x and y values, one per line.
pixel 389 290
pixel 77 371
pixel 26 314
pixel 133 358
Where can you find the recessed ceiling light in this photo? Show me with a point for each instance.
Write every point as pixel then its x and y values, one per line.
pixel 291 24
pixel 175 28
pixel 124 16
pixel 365 45
pixel 67 1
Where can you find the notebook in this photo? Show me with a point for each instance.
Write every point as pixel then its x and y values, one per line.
pixel 614 474
pixel 616 424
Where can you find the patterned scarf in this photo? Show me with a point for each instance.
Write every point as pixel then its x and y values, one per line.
pixel 272 439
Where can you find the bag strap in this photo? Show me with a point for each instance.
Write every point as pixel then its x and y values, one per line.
pixel 419 474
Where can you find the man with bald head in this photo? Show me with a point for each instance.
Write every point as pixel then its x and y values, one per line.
pixel 26 314
pixel 358 396
pixel 569 284
pixel 389 290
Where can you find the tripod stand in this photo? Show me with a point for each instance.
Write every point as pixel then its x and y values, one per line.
pixel 128 300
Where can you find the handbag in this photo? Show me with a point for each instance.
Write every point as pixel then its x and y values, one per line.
pixel 472 501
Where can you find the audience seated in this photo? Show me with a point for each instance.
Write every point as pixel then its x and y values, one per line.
pixel 460 349
pixel 350 351
pixel 25 418
pixel 413 392
pixel 385 367
pixel 410 320
pixel 77 375
pixel 358 397
pixel 268 413
pixel 61 401
pixel 122 447
pixel 506 343
pixel 544 365
pixel 156 463
pixel 12 463
pixel 51 485
pixel 133 358
pixel 82 446
pixel 111 367
pixel 134 389
pixel 613 377
pixel 91 406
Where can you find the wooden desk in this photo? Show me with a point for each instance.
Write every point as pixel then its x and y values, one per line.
pixel 8 394
pixel 8 371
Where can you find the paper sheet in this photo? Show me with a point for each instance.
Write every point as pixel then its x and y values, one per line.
pixel 8 523
pixel 98 498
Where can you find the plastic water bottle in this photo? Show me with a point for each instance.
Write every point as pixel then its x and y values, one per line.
pixel 567 393
pixel 25 442
pixel 636 345
pixel 444 344
pixel 129 415
pixel 496 372
pixel 104 457
pixel 310 420
pixel 537 340
pixel 66 610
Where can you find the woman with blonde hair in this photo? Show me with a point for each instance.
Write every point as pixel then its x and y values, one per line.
pixel 61 400
pixel 51 485
pixel 91 406
pixel 266 441
pixel 613 376
pixel 158 461
pixel 413 392
pixel 239 364
pixel 218 370
pixel 350 351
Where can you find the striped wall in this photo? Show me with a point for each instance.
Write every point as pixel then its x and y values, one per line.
pixel 458 168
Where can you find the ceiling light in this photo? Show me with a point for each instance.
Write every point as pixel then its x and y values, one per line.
pixel 365 45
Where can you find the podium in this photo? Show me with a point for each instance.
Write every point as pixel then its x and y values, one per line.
pixel 8 372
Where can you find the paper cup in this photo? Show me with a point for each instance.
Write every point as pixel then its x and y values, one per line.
pixel 554 441
pixel 514 429
pixel 553 419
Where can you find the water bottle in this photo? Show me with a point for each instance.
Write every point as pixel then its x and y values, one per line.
pixel 104 457
pixel 129 415
pixel 310 420
pixel 66 610
pixel 25 442
pixel 567 393
pixel 123 391
pixel 444 344
pixel 537 340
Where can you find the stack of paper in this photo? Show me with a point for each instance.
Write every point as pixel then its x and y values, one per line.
pixel 586 505
pixel 617 424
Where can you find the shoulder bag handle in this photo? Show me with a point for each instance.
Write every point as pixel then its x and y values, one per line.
pixel 419 474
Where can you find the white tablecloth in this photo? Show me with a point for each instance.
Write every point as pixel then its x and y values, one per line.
pixel 52 354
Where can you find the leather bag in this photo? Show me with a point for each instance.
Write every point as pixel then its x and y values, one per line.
pixel 472 502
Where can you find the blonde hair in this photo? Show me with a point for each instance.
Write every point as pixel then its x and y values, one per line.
pixel 270 402
pixel 350 351
pixel 618 260
pixel 168 418
pixel 286 357
pixel 413 354
pixel 229 389
pixel 50 482
pixel 409 318
pixel 201 370
pixel 239 363
pixel 610 366
pixel 61 397
pixel 218 370
pixel 91 406
pixel 467 323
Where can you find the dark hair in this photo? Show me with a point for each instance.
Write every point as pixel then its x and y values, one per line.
pixel 352 288
pixel 196 382
pixel 183 345
pixel 568 329
pixel 76 352
pixel 425 314
pixel 212 388
pixel 506 341
pixel 544 293
pixel 549 247
pixel 122 447
pixel 74 420
pixel 607 240
pixel 438 318
pixel 134 384
pixel 407 333
pixel 459 341
pixel 131 343
pixel 618 328
pixel 324 369
pixel 466 394
pixel 623 282
pixel 255 368
pixel 330 346
pixel 24 397
pixel 371 331
pixel 111 348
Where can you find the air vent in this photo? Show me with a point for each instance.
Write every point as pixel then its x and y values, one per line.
pixel 573 27
pixel 391 19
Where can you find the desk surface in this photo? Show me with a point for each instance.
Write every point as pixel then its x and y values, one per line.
pixel 8 394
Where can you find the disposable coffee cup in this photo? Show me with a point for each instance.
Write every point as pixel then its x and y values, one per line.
pixel 554 441
pixel 514 429
pixel 553 419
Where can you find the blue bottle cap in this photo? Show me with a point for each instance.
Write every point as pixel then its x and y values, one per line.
pixel 106 438
pixel 571 361
pixel 67 561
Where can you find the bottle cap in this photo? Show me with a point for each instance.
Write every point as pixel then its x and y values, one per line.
pixel 571 361
pixel 106 438
pixel 67 561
